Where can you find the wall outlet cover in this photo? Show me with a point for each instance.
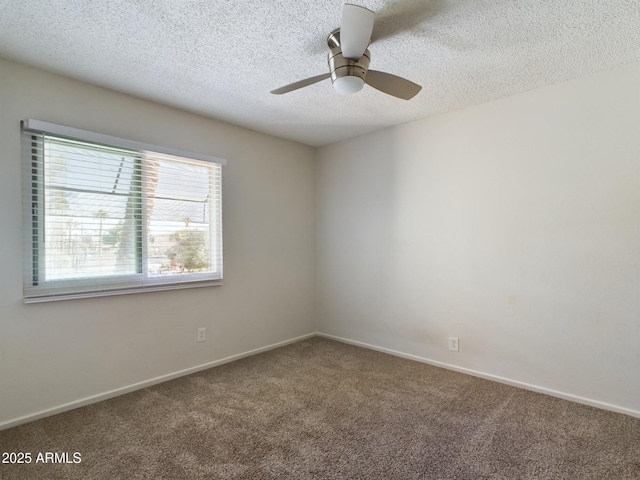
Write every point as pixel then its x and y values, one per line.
pixel 202 334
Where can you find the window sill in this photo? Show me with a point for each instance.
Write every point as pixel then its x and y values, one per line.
pixel 123 291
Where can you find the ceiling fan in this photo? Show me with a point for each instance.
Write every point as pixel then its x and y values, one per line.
pixel 349 60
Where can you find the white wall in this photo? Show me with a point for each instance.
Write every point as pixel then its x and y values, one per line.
pixel 55 353
pixel 513 225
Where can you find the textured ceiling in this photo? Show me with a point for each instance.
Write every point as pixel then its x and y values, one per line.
pixel 222 58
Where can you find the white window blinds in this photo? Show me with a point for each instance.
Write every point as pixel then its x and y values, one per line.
pixel 105 215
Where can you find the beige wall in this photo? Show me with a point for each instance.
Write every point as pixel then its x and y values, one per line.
pixel 58 353
pixel 513 225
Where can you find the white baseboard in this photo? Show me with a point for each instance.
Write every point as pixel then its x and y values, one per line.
pixel 144 384
pixel 488 376
pixel 164 378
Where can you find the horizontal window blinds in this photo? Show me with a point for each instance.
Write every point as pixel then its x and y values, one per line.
pixel 108 218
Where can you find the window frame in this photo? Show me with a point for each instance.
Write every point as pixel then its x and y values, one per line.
pixel 35 286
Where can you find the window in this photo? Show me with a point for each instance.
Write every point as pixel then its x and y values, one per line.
pixel 105 215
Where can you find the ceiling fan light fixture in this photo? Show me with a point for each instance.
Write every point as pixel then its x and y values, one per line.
pixel 348 84
pixel 349 60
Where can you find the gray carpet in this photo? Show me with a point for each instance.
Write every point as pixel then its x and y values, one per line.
pixel 323 409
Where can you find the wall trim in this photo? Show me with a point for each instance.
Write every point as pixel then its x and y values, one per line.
pixel 489 376
pixel 144 384
pixel 198 368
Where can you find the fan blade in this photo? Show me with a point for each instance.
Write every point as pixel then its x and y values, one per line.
pixel 355 30
pixel 392 84
pixel 300 84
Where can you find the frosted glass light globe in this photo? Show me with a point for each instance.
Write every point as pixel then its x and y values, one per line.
pixel 348 84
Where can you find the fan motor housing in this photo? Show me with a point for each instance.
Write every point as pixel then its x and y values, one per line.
pixel 342 67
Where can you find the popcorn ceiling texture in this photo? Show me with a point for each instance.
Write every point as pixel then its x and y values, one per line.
pixel 222 58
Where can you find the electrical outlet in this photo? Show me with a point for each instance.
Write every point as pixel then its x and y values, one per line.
pixel 453 344
pixel 202 334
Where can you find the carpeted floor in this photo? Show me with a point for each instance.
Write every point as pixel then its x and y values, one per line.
pixel 323 409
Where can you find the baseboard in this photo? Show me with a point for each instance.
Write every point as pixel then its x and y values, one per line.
pixel 488 376
pixel 164 378
pixel 144 384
